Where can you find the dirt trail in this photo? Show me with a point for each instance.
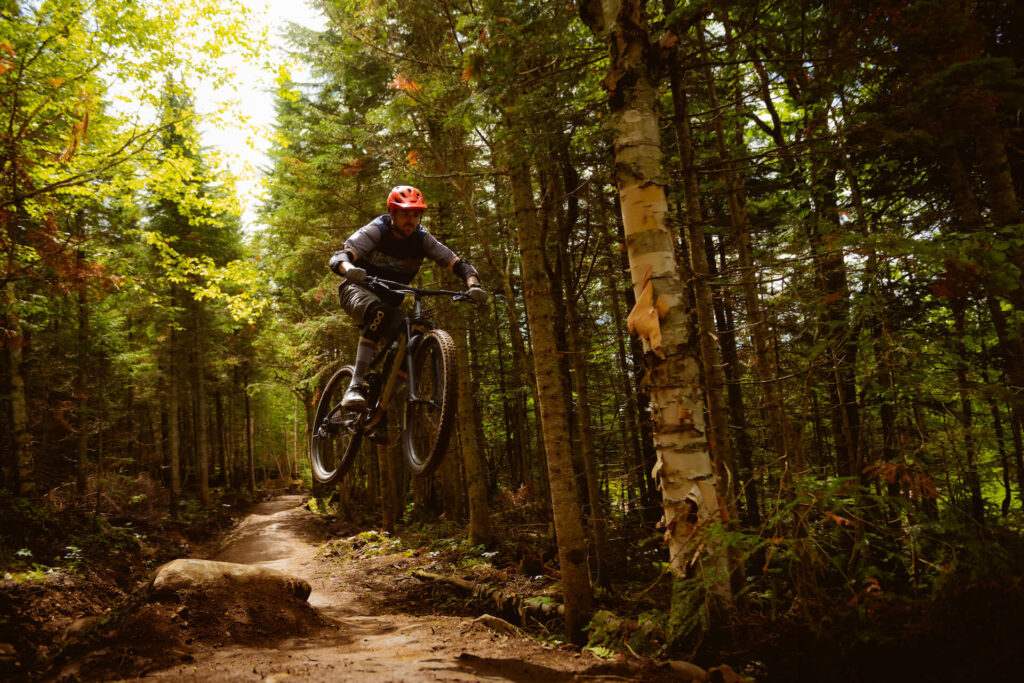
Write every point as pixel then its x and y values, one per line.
pixel 362 643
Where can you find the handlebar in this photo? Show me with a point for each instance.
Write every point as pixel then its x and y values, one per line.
pixel 400 287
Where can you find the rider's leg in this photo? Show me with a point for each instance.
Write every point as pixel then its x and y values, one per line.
pixel 365 352
pixel 381 322
pixel 357 302
pixel 355 396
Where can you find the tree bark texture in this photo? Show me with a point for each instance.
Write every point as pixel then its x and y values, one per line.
pixel 202 433
pixel 388 507
pixel 173 427
pixel 21 437
pixel 250 458
pixel 81 382
pixel 685 470
pixel 572 550
pixel 474 465
pixel 711 359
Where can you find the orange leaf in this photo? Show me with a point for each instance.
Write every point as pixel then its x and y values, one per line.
pixel 405 84
pixel 413 157
pixel 841 521
pixel 7 47
pixel 353 167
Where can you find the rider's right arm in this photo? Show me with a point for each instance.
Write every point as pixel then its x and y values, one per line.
pixel 338 261
pixel 365 240
pixel 341 263
pixel 362 242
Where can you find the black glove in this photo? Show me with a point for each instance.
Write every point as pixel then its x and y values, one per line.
pixel 356 274
pixel 477 294
pixel 337 260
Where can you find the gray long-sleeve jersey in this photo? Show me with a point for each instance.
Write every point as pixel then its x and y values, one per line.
pixel 375 248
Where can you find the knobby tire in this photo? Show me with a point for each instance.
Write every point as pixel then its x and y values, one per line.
pixel 428 426
pixel 333 449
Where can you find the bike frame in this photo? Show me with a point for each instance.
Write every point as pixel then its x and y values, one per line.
pixel 407 341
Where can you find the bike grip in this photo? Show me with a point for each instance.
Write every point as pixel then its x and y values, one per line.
pixel 356 274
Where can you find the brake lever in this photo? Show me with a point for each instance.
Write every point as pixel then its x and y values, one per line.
pixel 462 296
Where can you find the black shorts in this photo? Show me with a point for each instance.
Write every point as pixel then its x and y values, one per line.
pixel 356 300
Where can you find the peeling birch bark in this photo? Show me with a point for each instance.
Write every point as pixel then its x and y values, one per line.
pixel 685 471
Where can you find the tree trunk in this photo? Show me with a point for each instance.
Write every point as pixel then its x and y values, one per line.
pixel 202 433
pixel 687 474
pixel 782 440
pixel 222 459
pixel 173 427
pixel 21 438
pixel 1011 344
pixel 293 461
pixel 505 273
pixel 386 463
pixel 572 553
pixel 155 428
pixel 631 414
pixel 476 379
pixel 714 376
pixel 744 448
pixel 973 481
pixel 250 457
pixel 1005 211
pixel 511 410
pixel 1000 434
pixel 598 527
pixel 81 381
pixel 100 460
pixel 474 465
pixel 449 483
pixel 652 509
pixel 234 443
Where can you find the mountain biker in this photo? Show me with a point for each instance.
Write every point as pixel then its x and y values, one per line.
pixel 391 247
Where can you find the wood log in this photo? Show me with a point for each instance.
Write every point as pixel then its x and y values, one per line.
pixel 506 601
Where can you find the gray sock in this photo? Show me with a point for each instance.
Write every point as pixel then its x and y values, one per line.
pixel 364 354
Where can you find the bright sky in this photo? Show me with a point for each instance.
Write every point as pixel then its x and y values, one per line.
pixel 244 138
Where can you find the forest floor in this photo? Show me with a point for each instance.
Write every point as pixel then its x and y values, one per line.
pixel 366 619
pixel 73 607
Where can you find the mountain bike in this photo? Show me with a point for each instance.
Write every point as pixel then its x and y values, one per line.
pixel 424 356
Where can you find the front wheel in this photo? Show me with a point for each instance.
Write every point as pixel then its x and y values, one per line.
pixel 430 412
pixel 336 434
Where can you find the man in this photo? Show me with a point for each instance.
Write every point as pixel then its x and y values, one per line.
pixel 391 247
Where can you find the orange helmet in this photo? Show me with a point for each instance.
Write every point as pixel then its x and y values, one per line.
pixel 406 197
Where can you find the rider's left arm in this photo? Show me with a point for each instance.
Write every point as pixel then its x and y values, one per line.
pixel 447 258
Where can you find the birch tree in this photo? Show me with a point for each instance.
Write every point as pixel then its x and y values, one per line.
pixel 685 471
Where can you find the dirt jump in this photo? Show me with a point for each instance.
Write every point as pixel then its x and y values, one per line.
pixel 349 629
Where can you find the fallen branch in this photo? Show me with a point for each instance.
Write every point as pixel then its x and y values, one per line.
pixel 506 601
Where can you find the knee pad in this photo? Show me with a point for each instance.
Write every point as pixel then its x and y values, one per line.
pixel 381 320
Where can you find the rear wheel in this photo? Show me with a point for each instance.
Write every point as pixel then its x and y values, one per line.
pixel 430 414
pixel 336 435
